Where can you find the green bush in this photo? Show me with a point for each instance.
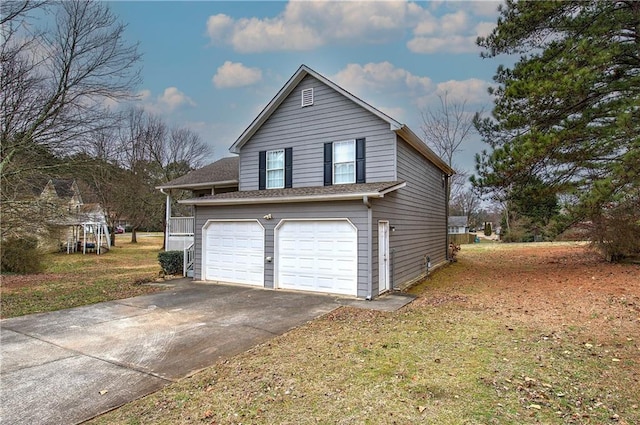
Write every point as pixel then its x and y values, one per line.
pixel 21 255
pixel 487 229
pixel 171 261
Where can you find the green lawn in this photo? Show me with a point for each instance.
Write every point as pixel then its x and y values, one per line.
pixel 72 280
pixel 488 341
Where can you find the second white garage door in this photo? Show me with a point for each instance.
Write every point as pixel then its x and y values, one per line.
pixel 234 252
pixel 317 255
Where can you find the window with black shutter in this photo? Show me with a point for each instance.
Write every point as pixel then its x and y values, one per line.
pixel 344 162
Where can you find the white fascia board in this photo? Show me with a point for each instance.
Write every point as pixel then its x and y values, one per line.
pixel 392 188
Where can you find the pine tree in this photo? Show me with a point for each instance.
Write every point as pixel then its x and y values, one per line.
pixel 567 114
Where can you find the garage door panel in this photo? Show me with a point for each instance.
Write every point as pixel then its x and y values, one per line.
pixel 234 252
pixel 317 256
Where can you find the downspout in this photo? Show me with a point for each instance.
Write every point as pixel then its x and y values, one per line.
pixel 167 217
pixel 446 218
pixel 365 201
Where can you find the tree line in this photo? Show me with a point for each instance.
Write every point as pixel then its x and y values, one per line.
pixel 563 135
pixel 64 65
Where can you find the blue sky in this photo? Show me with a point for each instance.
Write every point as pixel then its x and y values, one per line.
pixel 213 65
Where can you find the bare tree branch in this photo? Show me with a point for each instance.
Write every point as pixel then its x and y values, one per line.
pixel 53 86
pixel 446 127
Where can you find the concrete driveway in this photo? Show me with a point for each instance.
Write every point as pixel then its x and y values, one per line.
pixel 68 366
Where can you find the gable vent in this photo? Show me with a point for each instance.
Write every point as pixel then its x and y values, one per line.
pixel 307 97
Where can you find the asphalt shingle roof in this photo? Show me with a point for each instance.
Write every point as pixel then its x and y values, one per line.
pixel 298 192
pixel 223 170
pixel 458 220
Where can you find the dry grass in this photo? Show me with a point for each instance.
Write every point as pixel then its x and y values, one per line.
pixel 72 280
pixel 510 334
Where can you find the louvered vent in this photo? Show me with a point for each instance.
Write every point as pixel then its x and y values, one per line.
pixel 307 97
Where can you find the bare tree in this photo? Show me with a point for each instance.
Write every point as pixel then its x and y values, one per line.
pixel 444 130
pixel 185 145
pixel 53 86
pixel 465 203
pixel 12 11
pixel 153 154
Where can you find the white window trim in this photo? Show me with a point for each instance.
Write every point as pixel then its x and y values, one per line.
pixel 267 169
pixel 333 161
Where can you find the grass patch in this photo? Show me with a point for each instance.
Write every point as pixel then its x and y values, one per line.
pixel 459 354
pixel 71 280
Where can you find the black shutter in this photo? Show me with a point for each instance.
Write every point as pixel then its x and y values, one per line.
pixel 360 161
pixel 262 170
pixel 288 167
pixel 328 164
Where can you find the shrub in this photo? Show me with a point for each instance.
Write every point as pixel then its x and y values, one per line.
pixel 171 261
pixel 487 229
pixel 616 232
pixel 21 255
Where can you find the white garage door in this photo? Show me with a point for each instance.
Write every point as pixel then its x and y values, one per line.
pixel 319 256
pixel 234 252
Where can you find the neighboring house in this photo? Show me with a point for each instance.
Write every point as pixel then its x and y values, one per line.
pixel 65 194
pixel 458 225
pixel 80 226
pixel 334 196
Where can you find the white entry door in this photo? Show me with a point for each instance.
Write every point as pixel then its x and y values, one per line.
pixel 317 255
pixel 383 256
pixel 234 252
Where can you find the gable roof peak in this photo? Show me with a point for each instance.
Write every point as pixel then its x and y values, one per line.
pixel 400 129
pixel 286 90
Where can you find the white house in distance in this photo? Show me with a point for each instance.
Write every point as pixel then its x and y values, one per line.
pixel 458 225
pixel 333 196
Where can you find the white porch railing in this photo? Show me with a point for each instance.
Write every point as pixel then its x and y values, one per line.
pixel 188 259
pixel 181 226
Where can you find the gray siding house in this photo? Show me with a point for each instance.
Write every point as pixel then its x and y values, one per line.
pixel 334 196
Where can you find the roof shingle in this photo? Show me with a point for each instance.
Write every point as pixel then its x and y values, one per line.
pixel 303 193
pixel 223 170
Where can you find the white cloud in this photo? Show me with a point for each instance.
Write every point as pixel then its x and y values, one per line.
pixel 218 26
pixel 451 23
pixel 454 32
pixel 306 25
pixel 144 94
pixel 487 8
pixel 381 84
pixel 170 100
pixel 232 74
pixel 473 90
pixel 173 98
pixel 484 28
pixel 427 25
pixel 451 44
pixel 378 77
